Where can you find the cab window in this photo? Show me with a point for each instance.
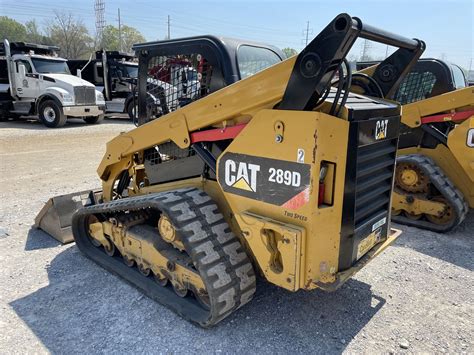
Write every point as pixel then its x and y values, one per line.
pixel 251 60
pixel 415 87
pixel 26 64
pixel 458 77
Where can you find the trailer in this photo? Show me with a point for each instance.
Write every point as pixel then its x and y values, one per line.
pixel 35 81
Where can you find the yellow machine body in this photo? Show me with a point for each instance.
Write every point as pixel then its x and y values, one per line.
pixel 306 239
pixel 454 158
pixel 278 174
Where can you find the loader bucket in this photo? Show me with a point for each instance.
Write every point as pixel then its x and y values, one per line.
pixel 56 215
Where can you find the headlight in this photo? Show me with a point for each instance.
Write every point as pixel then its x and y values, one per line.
pixel 67 98
pixel 99 96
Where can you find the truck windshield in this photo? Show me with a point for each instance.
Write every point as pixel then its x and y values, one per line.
pixel 46 66
pixel 132 71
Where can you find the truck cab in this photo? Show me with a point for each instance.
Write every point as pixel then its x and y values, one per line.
pixel 120 71
pixel 39 82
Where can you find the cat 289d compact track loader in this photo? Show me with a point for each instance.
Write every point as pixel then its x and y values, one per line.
pixel 434 179
pixel 278 173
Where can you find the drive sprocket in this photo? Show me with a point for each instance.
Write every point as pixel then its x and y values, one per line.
pixel 411 178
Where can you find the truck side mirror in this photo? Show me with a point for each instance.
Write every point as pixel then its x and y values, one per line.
pixel 79 73
pixel 21 70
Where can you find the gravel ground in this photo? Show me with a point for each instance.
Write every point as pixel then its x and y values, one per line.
pixel 416 297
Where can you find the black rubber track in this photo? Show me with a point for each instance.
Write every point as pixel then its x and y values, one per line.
pixel 446 188
pixel 216 252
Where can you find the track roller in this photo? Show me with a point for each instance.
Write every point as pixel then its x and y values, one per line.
pixel 210 278
pixel 420 179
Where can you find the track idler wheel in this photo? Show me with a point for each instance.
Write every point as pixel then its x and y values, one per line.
pixel 180 290
pixel 128 261
pixel 446 217
pixel 160 280
pixel 110 248
pixel 93 219
pixel 144 270
pixel 412 216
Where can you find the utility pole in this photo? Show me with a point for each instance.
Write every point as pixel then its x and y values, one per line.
pixel 169 24
pixel 386 52
pixel 306 33
pixel 120 31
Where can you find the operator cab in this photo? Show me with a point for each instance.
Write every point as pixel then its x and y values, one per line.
pixel 174 73
pixel 429 78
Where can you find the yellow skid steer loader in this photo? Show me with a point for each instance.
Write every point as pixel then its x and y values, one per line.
pixel 278 174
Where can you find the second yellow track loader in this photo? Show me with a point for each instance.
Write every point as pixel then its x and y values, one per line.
pixel 434 179
pixel 278 174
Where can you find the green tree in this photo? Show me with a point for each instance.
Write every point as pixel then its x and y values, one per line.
pixel 11 30
pixel 34 34
pixel 71 35
pixel 289 52
pixel 111 38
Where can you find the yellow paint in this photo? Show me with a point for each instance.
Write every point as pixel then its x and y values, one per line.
pixel 242 184
pixel 291 251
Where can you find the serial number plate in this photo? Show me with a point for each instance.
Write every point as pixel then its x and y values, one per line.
pixel 367 243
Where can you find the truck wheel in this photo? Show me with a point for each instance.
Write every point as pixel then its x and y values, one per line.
pixel 94 119
pixel 51 114
pixel 131 109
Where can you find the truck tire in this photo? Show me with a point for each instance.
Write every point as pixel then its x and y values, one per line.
pixel 130 109
pixel 51 114
pixel 94 119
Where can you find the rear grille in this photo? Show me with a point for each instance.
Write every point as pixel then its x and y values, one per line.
pixel 370 166
pixel 84 95
pixel 373 181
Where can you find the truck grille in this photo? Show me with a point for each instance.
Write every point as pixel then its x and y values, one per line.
pixel 84 95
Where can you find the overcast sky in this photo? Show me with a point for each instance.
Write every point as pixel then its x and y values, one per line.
pixel 446 26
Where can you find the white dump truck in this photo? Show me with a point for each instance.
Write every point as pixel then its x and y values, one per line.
pixel 120 71
pixel 35 81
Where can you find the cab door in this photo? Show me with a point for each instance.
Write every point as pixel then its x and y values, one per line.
pixel 27 84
